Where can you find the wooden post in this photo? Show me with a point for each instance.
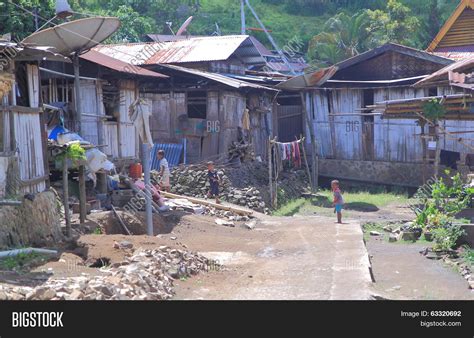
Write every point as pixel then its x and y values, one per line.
pixel 275 194
pixel 270 145
pixel 306 162
pixel 66 198
pixel 438 149
pixel 314 149
pixel 424 147
pixel 82 194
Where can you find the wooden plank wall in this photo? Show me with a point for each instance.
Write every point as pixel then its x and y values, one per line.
pixel 89 106
pixel 30 150
pixel 28 138
pixel 128 138
pixel 397 139
pixel 210 145
pixel 111 139
pixel 230 117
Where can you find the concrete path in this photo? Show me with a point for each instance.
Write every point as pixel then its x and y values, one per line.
pixel 300 258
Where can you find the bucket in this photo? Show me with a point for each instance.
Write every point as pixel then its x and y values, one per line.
pixel 136 171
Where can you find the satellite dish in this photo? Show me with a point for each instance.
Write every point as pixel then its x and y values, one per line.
pixel 76 36
pixel 185 25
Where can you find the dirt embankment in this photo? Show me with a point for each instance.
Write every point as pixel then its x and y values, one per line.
pixel 37 222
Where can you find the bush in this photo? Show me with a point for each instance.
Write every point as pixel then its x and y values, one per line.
pixel 440 203
pixel 446 237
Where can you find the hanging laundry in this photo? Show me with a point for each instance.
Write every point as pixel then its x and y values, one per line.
pixel 246 120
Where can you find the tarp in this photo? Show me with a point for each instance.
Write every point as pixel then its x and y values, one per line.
pixel 173 153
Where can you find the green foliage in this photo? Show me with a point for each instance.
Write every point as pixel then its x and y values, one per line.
pixel 74 152
pixel 433 109
pixel 344 36
pixel 97 231
pixel 467 255
pixel 445 237
pixel 440 203
pixel 393 24
pixel 19 261
pixel 356 25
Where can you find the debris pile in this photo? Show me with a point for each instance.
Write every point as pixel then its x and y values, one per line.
pixel 194 182
pixel 146 275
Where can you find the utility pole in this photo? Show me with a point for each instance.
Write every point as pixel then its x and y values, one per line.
pixel 242 17
pixel 35 11
pixel 282 55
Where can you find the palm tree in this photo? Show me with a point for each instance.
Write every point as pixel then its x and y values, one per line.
pixel 343 36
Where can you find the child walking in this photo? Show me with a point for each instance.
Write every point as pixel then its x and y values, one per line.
pixel 214 180
pixel 164 172
pixel 338 200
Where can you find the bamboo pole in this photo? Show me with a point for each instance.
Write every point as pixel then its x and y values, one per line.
pixel 270 180
pixel 314 152
pixel 82 195
pixel 306 164
pixel 438 148
pixel 66 197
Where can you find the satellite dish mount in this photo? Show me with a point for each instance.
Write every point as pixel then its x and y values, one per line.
pixel 63 9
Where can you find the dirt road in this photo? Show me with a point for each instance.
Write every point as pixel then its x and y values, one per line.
pixel 283 258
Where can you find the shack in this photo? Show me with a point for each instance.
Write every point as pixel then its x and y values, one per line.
pixel 353 141
pixel 23 164
pixel 108 89
pixel 204 104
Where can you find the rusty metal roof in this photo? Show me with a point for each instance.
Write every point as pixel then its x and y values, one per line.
pixel 120 66
pixel 444 73
pixel 455 55
pixel 228 81
pixel 194 49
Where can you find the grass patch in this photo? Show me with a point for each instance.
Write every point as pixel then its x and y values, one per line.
pixel 361 201
pixel 467 256
pixel 371 226
pixel 23 261
pixel 291 208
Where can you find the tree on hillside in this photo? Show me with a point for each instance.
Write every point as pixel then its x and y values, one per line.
pixel 344 36
pixel 394 24
pixel 19 22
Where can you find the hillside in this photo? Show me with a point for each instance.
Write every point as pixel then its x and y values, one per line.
pixel 412 22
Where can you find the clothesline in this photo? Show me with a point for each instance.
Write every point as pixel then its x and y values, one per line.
pixel 286 143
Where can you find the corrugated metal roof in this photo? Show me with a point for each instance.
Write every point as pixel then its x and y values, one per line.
pixel 443 74
pixel 28 52
pixel 209 48
pixel 194 49
pixel 134 53
pixel 235 83
pixel 120 66
pixel 455 56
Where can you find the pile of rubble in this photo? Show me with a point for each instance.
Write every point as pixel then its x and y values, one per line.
pixel 145 275
pixel 195 183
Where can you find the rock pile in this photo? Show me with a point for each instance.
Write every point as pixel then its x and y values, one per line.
pixel 194 182
pixel 146 275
